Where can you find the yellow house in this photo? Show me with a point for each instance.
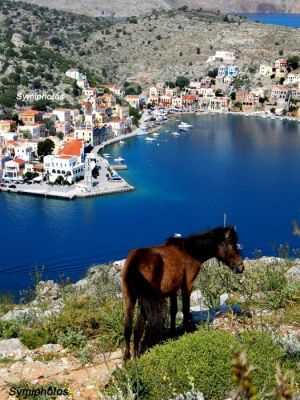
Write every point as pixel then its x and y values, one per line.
pixel 121 112
pixel 8 125
pixel 281 73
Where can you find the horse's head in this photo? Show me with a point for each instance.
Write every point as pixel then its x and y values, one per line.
pixel 228 251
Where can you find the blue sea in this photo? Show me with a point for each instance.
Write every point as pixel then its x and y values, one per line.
pixel 285 19
pixel 246 167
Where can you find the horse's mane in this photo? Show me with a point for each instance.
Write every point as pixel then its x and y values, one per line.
pixel 210 237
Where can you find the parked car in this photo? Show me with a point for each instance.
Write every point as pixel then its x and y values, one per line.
pixel 12 186
pixel 3 185
pixel 29 182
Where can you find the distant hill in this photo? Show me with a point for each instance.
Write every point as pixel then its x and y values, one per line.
pixel 132 7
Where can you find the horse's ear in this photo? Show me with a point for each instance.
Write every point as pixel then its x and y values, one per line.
pixel 227 233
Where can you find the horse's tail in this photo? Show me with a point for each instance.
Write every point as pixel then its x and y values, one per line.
pixel 152 304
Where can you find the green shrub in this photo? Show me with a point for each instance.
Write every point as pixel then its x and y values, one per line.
pixel 202 361
pixel 72 339
pixel 34 337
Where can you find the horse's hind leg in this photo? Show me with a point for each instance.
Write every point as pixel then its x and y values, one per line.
pixel 173 312
pixel 186 294
pixel 129 306
pixel 138 331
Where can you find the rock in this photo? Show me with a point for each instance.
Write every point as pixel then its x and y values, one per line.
pixel 48 289
pixel 17 40
pixel 197 300
pixel 50 348
pixel 12 347
pixel 223 298
pixel 17 314
pixel 293 274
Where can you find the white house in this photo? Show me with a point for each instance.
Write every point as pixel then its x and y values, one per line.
pixel 74 73
pixel 133 100
pixel 63 114
pixel 265 70
pixel 62 165
pixel 227 57
pixel 24 151
pixel 280 93
pixel 36 130
pixel 177 102
pixel 292 79
pixel 12 169
pixel 120 126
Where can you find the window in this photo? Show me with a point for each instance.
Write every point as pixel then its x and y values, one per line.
pixel 53 171
pixel 58 171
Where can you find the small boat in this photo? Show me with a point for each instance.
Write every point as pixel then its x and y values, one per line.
pixel 141 132
pixel 106 155
pixel 183 126
pixel 122 142
pixel 149 139
pixel 155 134
pixel 119 159
pixel 175 133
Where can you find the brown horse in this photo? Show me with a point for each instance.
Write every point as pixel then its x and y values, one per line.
pixel 152 274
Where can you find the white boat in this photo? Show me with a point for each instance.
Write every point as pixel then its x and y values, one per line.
pixel 106 155
pixel 121 141
pixel 149 139
pixel 155 134
pixel 183 126
pixel 119 159
pixel 175 133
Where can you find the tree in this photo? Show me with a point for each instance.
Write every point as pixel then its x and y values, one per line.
pixel 170 84
pixel 233 96
pixel 293 61
pixel 182 81
pixel 45 147
pixel 213 73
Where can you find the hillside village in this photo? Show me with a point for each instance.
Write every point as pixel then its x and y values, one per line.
pixel 51 145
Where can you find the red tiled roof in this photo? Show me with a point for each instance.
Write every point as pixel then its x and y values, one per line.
pixel 189 97
pixel 30 112
pixel 19 161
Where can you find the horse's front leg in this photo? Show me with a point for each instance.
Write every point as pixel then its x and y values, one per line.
pixel 173 312
pixel 186 294
pixel 129 306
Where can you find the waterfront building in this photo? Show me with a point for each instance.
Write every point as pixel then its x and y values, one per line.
pixel 166 100
pixel 189 100
pixel 91 134
pixel 177 102
pixel 13 169
pixel 133 100
pixel 120 126
pixel 153 100
pixel 74 148
pixel 62 165
pixel 280 92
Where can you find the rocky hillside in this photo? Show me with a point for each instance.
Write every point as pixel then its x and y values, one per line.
pixel 162 45
pixel 131 7
pixel 31 39
pixel 70 336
